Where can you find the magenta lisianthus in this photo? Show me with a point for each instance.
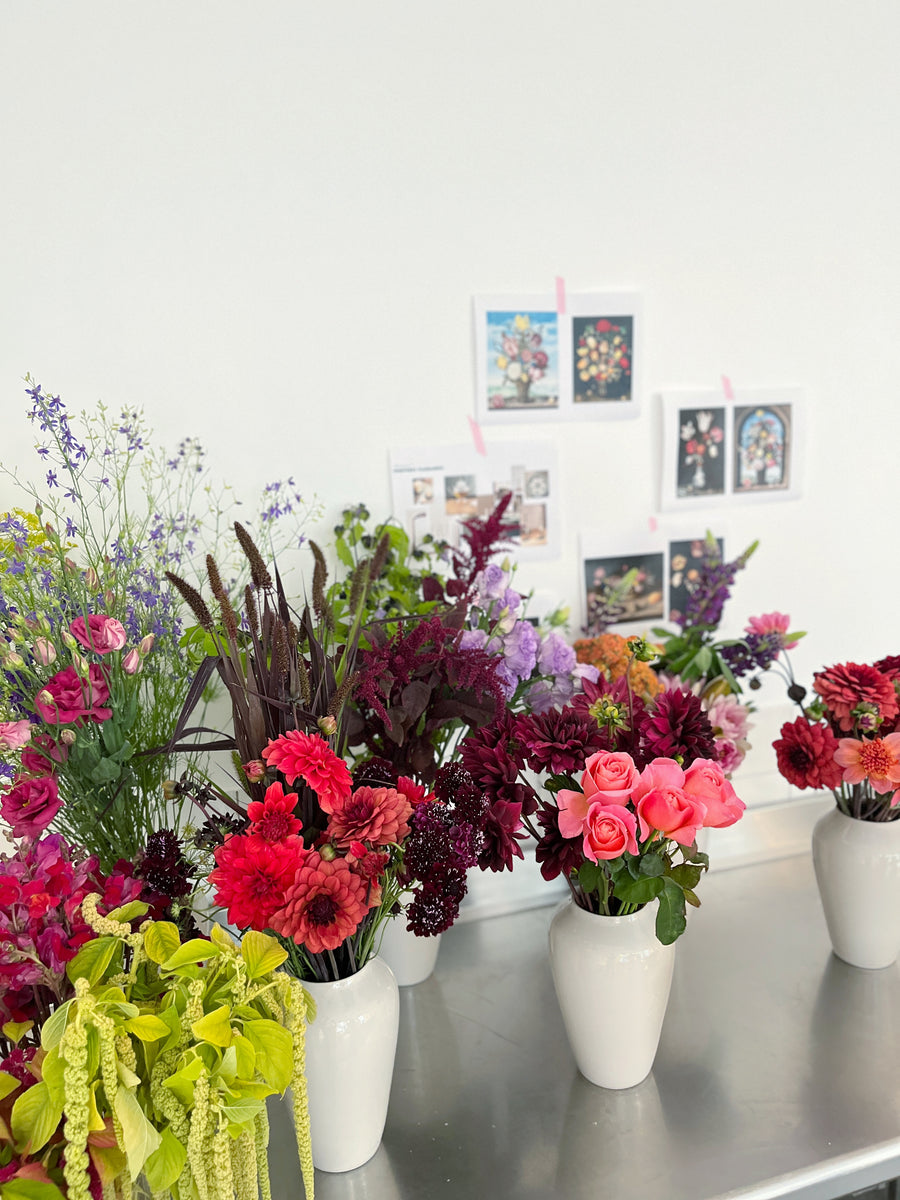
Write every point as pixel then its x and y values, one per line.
pixel 30 805
pixel 68 697
pixel 99 633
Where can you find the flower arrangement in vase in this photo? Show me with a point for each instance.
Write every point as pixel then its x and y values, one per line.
pixel 847 741
pixel 627 780
pixel 94 671
pixel 129 1055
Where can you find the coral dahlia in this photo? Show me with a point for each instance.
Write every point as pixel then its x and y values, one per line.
pixel 378 816
pixel 299 755
pixel 877 760
pixel 323 906
pixel 845 686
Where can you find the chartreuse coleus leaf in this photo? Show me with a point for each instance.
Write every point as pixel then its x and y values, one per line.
pixel 261 953
pixel 140 1137
pixel 161 940
pixel 195 951
pixel 34 1119
pixel 166 1163
pixel 274 1051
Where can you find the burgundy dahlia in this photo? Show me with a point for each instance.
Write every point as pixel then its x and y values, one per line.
pixel 556 854
pixel 805 754
pixel 678 728
pixel 559 742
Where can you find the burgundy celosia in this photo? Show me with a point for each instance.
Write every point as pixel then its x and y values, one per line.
pixel 805 754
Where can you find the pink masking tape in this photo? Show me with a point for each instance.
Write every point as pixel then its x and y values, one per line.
pixel 727 388
pixel 654 524
pixel 477 436
pixel 560 294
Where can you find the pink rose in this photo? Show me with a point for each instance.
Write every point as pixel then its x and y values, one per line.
pixel 30 805
pixel 99 633
pixel 705 781
pixel 609 831
pixel 68 697
pixel 43 752
pixel 14 734
pixel 609 776
pixel 662 803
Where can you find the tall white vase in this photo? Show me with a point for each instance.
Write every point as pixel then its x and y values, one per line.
pixel 612 978
pixel 857 866
pixel 411 958
pixel 350 1049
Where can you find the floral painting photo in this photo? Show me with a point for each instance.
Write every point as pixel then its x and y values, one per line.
pixel 602 357
pixel 701 452
pixel 762 447
pixel 522 360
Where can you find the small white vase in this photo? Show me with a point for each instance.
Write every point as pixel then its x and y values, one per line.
pixel 411 958
pixel 350 1049
pixel 857 867
pixel 612 978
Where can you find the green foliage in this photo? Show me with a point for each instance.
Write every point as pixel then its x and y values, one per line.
pixel 163 1044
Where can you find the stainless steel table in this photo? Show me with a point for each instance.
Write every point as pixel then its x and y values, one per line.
pixel 778 1072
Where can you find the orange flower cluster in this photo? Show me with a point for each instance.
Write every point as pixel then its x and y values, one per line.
pixel 609 653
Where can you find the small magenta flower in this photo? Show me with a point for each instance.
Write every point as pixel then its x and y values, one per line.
pixel 255 770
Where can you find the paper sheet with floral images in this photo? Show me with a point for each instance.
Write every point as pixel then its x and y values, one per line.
pixel 436 488
pixel 719 450
pixel 542 358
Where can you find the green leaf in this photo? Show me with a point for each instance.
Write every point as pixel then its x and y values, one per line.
pixel 243 1111
pixel 245 1055
pixel 30 1189
pixel 686 875
pixel 222 939
pixel 148 1028
pixel 52 1072
pixel 55 1026
pixel 161 940
pixel 127 912
pixel 107 770
pixel 651 865
pixel 166 1163
pixel 274 1051
pixel 637 891
pixel 670 919
pixel 35 1119
pixel 140 1138
pixel 181 1084
pixel 93 959
pixel 589 876
pixel 195 951
pixel 8 1084
pixel 214 1027
pixel 16 1029
pixel 261 953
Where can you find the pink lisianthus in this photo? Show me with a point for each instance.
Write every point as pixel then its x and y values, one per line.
pixel 39 758
pixel 609 831
pixel 14 734
pixel 299 755
pixel 609 776
pixel 132 662
pixel 662 803
pixel 68 697
pixel 705 781
pixel 30 805
pixel 99 633
pixel 877 760
pixel 774 622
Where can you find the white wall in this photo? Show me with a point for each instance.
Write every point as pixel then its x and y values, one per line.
pixel 265 223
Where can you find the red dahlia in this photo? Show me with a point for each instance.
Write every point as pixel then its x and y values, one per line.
pixel 805 755
pixel 848 685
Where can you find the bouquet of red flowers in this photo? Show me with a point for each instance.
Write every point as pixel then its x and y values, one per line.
pixel 632 780
pixel 847 740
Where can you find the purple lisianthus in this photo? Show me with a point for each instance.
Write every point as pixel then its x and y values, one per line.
pixel 520 649
pixel 556 656
pixel 491 583
pixel 472 639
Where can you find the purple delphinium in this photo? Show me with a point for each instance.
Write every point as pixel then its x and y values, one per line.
pixel 756 652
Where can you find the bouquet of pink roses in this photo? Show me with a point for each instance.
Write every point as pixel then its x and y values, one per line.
pixel 632 781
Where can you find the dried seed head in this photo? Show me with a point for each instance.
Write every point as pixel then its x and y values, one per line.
pixel 379 558
pixel 259 572
pixel 280 649
pixel 250 610
pixel 192 599
pixel 215 579
pixel 340 697
pixel 320 577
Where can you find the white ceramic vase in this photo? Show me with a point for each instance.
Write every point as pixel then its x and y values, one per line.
pixel 350 1049
pixel 411 958
pixel 612 978
pixel 857 867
